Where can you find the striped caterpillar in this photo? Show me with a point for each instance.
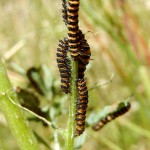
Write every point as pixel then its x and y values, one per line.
pixel 64 65
pixel 111 116
pixel 81 106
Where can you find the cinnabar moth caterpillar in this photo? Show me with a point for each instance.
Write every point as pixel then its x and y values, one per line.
pixel 81 106
pixel 111 116
pixel 64 65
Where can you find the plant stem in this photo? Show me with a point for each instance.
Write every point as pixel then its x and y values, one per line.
pixel 14 115
pixel 72 107
pixel 145 80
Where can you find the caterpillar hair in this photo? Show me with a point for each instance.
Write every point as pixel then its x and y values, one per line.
pixel 111 116
pixel 81 106
pixel 64 65
pixel 64 11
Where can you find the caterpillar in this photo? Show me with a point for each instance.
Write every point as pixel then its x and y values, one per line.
pixel 64 65
pixel 76 40
pixel 84 55
pixel 72 24
pixel 111 116
pixel 81 106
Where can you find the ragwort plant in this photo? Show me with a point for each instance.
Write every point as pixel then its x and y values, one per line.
pixel 73 55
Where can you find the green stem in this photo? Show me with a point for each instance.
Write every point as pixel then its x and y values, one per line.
pixel 14 115
pixel 72 107
pixel 145 80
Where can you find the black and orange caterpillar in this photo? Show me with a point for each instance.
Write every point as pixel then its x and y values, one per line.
pixel 73 28
pixel 84 54
pixel 81 106
pixel 64 65
pixel 111 116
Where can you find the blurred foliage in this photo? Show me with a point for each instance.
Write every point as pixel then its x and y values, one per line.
pixel 118 33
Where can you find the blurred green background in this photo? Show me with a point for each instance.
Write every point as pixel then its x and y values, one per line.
pixel 118 34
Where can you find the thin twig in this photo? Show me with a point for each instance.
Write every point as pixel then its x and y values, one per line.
pixel 101 84
pixel 31 112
